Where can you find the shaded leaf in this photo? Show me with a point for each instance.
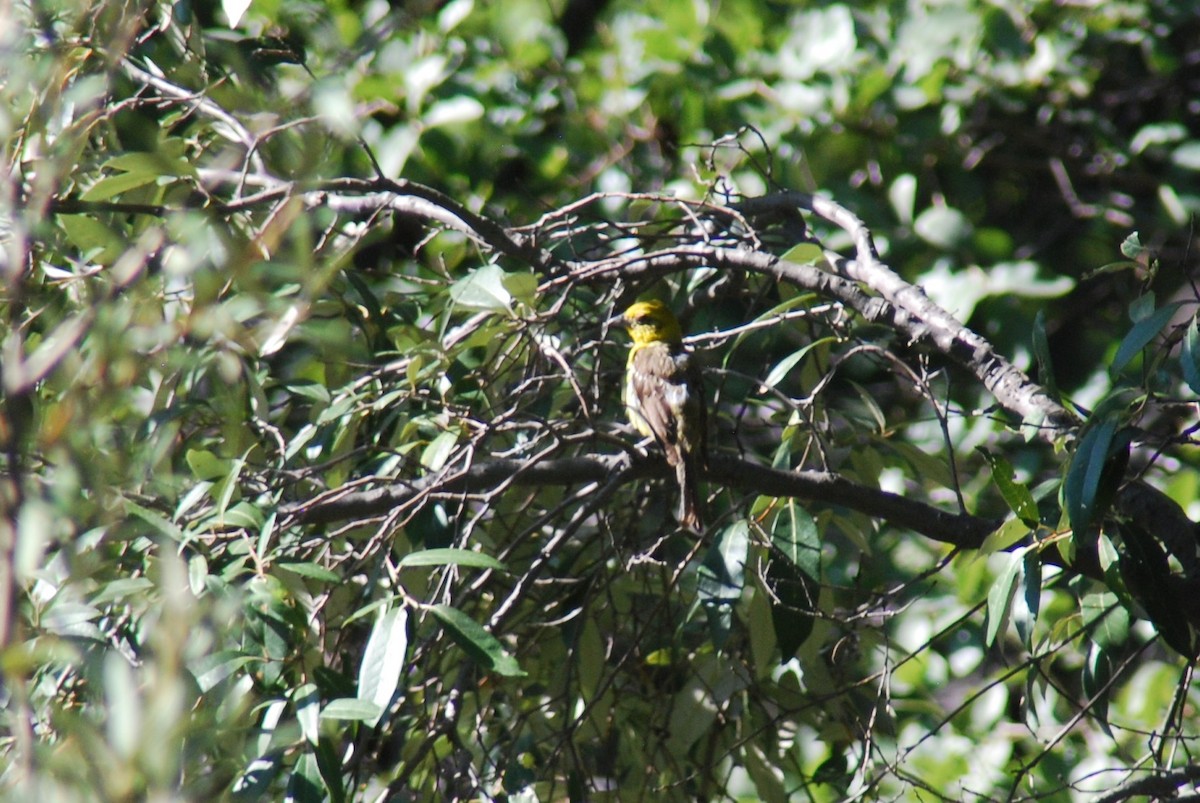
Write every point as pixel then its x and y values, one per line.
pixel 1147 574
pixel 721 577
pixel 1097 672
pixel 1096 469
pixel 1189 355
pixel 793 577
pixel 1041 350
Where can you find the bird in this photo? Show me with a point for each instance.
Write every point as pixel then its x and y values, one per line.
pixel 664 397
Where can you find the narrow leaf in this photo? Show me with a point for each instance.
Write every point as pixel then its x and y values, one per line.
pixel 999 601
pixel 352 708
pixel 1007 534
pixel 793 577
pixel 1140 336
pixel 450 557
pixel 1026 605
pixel 723 572
pixel 1097 671
pixel 1147 574
pixel 1015 494
pixel 1083 478
pixel 383 659
pixel 1189 355
pixel 312 570
pixel 480 645
pixel 722 576
pixel 307 702
pixel 1041 351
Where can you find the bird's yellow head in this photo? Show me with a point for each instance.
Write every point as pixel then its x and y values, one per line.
pixel 651 322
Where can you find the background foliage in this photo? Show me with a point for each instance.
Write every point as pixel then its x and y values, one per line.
pixel 314 482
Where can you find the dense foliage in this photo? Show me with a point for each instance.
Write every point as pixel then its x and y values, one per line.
pixel 314 478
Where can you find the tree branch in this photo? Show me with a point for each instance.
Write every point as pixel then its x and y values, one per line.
pixel 959 530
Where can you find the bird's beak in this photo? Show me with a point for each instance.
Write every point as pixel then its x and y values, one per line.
pixel 616 320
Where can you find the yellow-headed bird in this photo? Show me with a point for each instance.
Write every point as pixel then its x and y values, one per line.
pixel 664 397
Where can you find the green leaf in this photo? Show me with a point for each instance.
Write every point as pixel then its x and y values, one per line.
pixel 793 577
pixel 352 708
pixel 383 659
pixel 722 573
pixel 435 455
pixel 156 520
pixel 785 366
pixel 121 588
pixel 305 784
pixel 311 570
pixel 450 557
pixel 523 286
pixel 1141 307
pixel 154 163
pixel 942 227
pixel 1009 533
pixel 1026 605
pixel 1140 336
pixel 721 578
pixel 210 670
pixel 313 391
pixel 111 186
pixel 1147 575
pixel 480 645
pixel 1083 477
pixel 1015 494
pixel 95 241
pixel 1041 350
pixel 205 465
pixel 1189 355
pixel 795 538
pixel 307 702
pixel 1000 596
pixel 804 254
pixel 1097 672
pixel 1106 618
pixel 483 289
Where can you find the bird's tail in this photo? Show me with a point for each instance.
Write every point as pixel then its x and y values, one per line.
pixel 689 491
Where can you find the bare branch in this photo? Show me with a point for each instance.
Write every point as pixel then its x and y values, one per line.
pixel 1161 785
pixel 924 321
pixel 960 530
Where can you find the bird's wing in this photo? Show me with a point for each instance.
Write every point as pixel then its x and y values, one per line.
pixel 655 395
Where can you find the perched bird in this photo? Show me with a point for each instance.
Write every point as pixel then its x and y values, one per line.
pixel 664 397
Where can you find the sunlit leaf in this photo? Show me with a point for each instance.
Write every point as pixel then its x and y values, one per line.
pixel 383 659
pixel 1000 596
pixel 1140 336
pixel 477 642
pixel 483 289
pixel 450 557
pixel 352 708
pixel 1018 497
